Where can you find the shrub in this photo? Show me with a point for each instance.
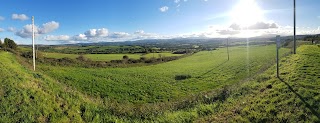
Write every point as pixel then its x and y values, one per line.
pixel 125 57
pixel 182 77
pixel 27 54
pixel 81 58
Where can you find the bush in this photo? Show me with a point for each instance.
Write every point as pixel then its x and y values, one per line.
pixel 27 54
pixel 182 77
pixel 81 58
pixel 125 57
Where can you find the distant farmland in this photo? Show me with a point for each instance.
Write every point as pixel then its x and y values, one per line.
pixel 108 57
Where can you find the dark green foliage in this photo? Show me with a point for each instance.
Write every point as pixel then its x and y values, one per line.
pixel 81 58
pixel 27 54
pixel 125 57
pixel 182 77
pixel 8 43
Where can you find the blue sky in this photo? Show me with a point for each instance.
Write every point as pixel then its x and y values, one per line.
pixel 75 21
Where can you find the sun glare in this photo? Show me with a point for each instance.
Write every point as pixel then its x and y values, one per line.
pixel 246 13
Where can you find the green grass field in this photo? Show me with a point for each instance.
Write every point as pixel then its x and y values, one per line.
pixel 295 97
pixel 228 91
pixel 108 57
pixel 156 83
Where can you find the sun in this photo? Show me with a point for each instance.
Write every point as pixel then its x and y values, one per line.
pixel 246 13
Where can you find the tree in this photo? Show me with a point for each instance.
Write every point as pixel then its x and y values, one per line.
pixel 8 43
pixel 0 44
pixel 125 57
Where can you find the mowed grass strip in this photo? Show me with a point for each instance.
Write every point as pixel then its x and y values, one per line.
pixel 157 83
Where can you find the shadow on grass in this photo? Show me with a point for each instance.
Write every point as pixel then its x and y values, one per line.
pixel 314 112
pixel 212 69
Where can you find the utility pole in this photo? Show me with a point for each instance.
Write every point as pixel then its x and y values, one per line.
pixel 294 27
pixel 278 42
pixel 228 48
pixel 33 50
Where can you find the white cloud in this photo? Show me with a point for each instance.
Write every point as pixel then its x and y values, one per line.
pixel 91 33
pixel 228 32
pixel 139 32
pixel 119 35
pixel 176 1
pixel 205 0
pixel 164 8
pixel 26 32
pixel 80 37
pixel 1 18
pixel 257 25
pixel 94 33
pixel 57 38
pixel 1 30
pixel 21 17
pixel 102 32
pixel 263 25
pixel 49 27
pixel 235 26
pixel 11 29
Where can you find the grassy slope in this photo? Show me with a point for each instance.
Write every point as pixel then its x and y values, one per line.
pixel 293 98
pixel 27 96
pixel 157 83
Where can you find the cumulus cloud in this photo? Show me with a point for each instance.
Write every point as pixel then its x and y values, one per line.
pixel 57 38
pixel 263 25
pixel 49 27
pixel 164 8
pixel 1 18
pixel 11 29
pixel 139 32
pixel 256 26
pixel 119 35
pixel 21 17
pixel 228 32
pixel 26 32
pixel 80 37
pixel 102 32
pixel 235 26
pixel 1 30
pixel 176 1
pixel 93 33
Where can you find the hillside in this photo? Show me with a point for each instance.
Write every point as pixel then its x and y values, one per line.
pixel 215 92
pixel 295 97
pixel 27 96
